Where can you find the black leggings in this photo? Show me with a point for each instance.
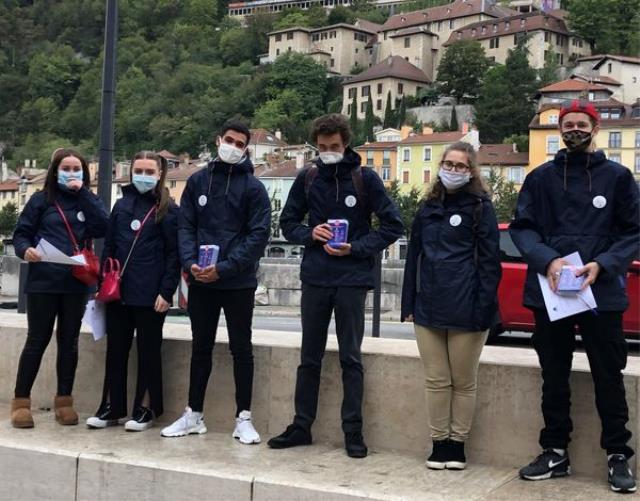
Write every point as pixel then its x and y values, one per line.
pixel 42 310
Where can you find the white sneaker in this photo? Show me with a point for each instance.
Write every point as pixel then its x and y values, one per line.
pixel 189 423
pixel 245 432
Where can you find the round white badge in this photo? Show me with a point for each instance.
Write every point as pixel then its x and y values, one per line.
pixel 350 201
pixel 455 220
pixel 599 202
pixel 81 217
pixel 202 201
pixel 135 225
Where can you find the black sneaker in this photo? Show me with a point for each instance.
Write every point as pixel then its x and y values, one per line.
pixel 549 464
pixel 456 459
pixel 620 476
pixel 105 417
pixel 142 420
pixel 354 445
pixel 293 436
pixel 439 455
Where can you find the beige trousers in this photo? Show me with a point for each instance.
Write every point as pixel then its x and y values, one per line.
pixel 450 360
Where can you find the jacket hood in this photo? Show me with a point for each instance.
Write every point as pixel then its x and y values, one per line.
pixel 580 160
pixel 243 167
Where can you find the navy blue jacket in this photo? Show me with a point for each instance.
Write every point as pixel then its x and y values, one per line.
pixel 88 219
pixel 153 267
pixel 452 269
pixel 236 216
pixel 557 214
pixel 327 199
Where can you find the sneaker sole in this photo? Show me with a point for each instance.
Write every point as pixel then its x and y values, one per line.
pixel 619 489
pixel 435 465
pixel 138 427
pixel 455 465
pixel 250 442
pixel 107 424
pixel 548 475
pixel 200 431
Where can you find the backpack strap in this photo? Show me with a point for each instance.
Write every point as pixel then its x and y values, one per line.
pixel 358 182
pixel 309 177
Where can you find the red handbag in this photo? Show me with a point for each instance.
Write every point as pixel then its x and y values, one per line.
pixel 87 274
pixel 110 287
pixel 112 275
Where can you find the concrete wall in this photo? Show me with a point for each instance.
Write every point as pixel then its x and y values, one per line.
pixel 506 425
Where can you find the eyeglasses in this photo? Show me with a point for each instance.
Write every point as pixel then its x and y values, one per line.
pixel 457 166
pixel 233 142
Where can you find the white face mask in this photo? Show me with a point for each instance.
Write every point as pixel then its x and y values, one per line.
pixel 454 180
pixel 331 157
pixel 230 154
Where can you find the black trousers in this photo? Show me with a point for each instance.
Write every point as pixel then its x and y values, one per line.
pixel 606 350
pixel 204 311
pixel 318 303
pixel 42 310
pixel 122 321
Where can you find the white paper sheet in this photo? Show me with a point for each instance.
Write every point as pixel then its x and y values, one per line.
pixel 563 306
pixel 95 318
pixel 51 254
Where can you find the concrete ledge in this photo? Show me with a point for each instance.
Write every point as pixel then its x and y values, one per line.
pixel 507 421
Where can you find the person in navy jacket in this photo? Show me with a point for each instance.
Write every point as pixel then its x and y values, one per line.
pixel 451 278
pixel 223 205
pixel 580 202
pixel 52 291
pixel 149 277
pixel 335 278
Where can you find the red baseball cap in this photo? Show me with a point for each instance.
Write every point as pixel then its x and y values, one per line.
pixel 577 106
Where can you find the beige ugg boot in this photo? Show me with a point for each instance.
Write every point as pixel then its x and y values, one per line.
pixel 21 413
pixel 65 414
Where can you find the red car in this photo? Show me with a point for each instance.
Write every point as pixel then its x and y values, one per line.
pixel 515 317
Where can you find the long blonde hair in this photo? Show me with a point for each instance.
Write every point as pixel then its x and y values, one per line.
pixel 476 186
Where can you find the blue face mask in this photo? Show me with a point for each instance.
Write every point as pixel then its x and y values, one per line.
pixel 144 183
pixel 65 176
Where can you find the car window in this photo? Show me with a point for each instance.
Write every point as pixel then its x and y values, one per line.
pixel 508 250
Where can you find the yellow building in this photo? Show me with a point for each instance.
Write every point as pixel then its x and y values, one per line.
pixel 619 135
pixel 381 157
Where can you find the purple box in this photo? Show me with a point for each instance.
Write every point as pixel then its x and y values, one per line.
pixel 340 230
pixel 569 283
pixel 208 255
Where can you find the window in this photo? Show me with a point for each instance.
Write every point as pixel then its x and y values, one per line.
pixel 553 144
pixel 406 154
pixel 379 88
pixel 348 109
pixel 364 90
pixel 386 173
pixel 452 23
pixel 523 22
pixel 277 204
pixel 636 164
pixel 484 30
pixel 616 113
pixel 405 177
pixel 495 28
pixel 386 158
pixel 547 36
pixel 426 176
pixel 288 49
pixel 615 139
pixel 473 32
pixel 278 38
pixel 361 37
pixel 379 104
pixel 507 25
pixel 352 92
pixel 614 157
pixel 407 42
pixel 363 107
pixel 604 113
pixel 553 119
pixel 637 139
pixel 592 96
pixel 516 175
pixel 356 50
pixel 400 88
pixel 315 37
pixel 494 43
pixel 609 67
pixel 426 156
pixel 370 158
pixel 324 36
pixel 289 36
pixel 439 25
pixel 485 171
pixel 333 63
pixel 172 184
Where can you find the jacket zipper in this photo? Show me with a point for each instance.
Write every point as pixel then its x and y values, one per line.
pixel 226 191
pixel 336 178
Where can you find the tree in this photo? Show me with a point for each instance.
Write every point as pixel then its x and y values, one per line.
pixel 407 203
pixel 453 125
pixel 506 106
pixel 8 219
pixel 462 69
pixel 369 121
pixel 234 47
pixel 548 74
pixel 389 115
pixel 520 140
pixel 610 25
pixel 341 14
pixel 402 113
pixel 353 117
pixel 504 196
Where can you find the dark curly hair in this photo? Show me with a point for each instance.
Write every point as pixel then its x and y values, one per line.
pixel 331 124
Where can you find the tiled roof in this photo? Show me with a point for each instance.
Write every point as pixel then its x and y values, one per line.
pixel 263 136
pixel 598 79
pixel 9 186
pixel 183 174
pixel 414 30
pixel 286 169
pixel 626 121
pixel 378 145
pixel 521 23
pixel 392 67
pixel 501 154
pixel 600 58
pixel 436 137
pixel 459 8
pixel 368 25
pixel 168 155
pixel 573 85
pixel 361 28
